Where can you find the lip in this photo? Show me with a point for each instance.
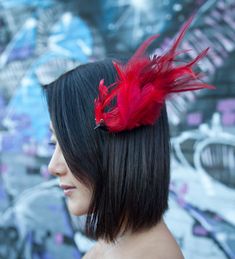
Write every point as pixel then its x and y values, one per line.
pixel 66 186
pixel 68 189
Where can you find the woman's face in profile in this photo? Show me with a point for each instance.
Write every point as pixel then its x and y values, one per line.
pixel 78 197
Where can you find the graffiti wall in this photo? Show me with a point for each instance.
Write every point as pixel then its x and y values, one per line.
pixel 40 40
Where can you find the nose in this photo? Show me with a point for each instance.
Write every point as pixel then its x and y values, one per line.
pixel 57 166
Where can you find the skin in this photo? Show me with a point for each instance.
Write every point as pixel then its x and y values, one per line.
pixel 154 243
pixel 78 202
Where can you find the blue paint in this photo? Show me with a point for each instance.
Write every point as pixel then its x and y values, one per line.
pixel 34 3
pixel 70 33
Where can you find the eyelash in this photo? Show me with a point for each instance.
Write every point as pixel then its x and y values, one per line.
pixel 51 143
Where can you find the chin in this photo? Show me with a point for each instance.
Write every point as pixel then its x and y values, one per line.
pixel 76 209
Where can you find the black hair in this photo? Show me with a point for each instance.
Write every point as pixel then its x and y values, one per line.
pixel 128 171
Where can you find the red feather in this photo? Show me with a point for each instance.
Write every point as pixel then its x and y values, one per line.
pixel 143 85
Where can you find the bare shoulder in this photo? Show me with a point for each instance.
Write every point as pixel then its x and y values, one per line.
pixel 157 251
pixel 95 252
pixel 156 245
pixel 161 245
pixel 167 248
pixel 91 254
pixel 169 251
pixel 160 251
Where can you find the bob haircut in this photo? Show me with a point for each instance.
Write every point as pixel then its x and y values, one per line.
pixel 127 171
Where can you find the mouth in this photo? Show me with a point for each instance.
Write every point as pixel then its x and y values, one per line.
pixel 68 189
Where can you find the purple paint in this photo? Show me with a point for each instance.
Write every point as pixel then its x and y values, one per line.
pixel 21 53
pixel 12 142
pixel 47 255
pixel 221 5
pixel 23 121
pixel 218 218
pixel 44 172
pixel 228 119
pixel 55 207
pixel 194 118
pixel 3 195
pixel 30 149
pixel 181 202
pixel 3 168
pixel 59 238
pixel 200 2
pixel 67 225
pixel 184 189
pixel 226 105
pixel 76 254
pixel 200 231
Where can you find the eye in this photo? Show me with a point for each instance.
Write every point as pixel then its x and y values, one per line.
pixel 51 143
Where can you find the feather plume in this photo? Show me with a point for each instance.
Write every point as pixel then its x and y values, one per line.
pixel 143 85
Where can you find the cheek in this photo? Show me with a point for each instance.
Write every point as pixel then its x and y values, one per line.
pixel 78 203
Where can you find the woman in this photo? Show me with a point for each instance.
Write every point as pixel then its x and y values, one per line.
pixel 112 149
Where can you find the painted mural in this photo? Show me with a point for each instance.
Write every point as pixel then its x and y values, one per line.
pixel 40 40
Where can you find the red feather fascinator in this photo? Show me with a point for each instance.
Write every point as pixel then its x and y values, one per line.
pixel 143 85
